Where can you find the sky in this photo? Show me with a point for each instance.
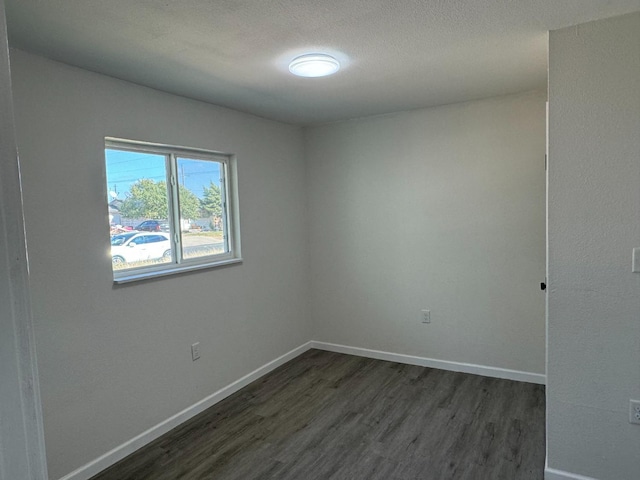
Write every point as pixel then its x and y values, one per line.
pixel 125 168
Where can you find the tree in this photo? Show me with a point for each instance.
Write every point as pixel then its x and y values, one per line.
pixel 212 200
pixel 148 199
pixel 189 203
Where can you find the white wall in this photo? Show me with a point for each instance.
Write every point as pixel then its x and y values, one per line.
pixel 116 361
pixel 594 222
pixel 443 209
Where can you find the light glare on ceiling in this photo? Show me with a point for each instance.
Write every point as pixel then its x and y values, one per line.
pixel 314 65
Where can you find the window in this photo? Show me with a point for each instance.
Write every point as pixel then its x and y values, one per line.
pixel 171 209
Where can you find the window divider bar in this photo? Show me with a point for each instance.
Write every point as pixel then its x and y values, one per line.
pixel 174 209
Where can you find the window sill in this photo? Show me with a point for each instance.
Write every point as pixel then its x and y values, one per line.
pixel 141 276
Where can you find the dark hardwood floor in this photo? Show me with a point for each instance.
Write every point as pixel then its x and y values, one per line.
pixel 331 416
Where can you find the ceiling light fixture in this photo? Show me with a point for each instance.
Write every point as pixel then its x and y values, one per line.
pixel 314 65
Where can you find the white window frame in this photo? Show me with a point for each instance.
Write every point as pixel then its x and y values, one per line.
pixel 229 194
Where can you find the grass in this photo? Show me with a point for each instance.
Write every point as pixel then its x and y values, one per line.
pixel 216 235
pixel 201 252
pixel 142 263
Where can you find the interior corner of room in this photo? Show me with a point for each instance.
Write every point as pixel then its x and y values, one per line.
pixel 419 237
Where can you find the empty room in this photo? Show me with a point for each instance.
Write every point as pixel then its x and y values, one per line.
pixel 319 240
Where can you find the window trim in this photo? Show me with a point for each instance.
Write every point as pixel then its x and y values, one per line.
pixel 229 197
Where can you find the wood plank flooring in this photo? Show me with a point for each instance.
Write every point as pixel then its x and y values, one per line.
pixel 331 416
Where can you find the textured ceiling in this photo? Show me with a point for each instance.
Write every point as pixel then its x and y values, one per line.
pixel 397 55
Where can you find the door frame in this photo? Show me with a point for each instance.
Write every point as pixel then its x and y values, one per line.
pixel 22 452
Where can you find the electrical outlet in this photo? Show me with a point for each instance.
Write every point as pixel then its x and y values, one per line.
pixel 634 411
pixel 195 351
pixel 426 316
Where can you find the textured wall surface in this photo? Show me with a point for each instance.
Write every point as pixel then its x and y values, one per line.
pixel 594 222
pixel 441 209
pixel 116 361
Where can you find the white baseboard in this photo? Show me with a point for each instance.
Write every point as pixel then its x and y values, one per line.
pixel 433 363
pixel 101 463
pixel 553 474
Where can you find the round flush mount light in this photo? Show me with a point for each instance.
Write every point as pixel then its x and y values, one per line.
pixel 314 65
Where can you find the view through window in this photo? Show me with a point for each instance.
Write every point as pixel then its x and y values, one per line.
pixel 167 207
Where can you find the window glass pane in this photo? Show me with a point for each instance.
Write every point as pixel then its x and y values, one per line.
pixel 138 208
pixel 202 219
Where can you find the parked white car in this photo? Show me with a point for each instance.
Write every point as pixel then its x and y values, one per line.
pixel 139 246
